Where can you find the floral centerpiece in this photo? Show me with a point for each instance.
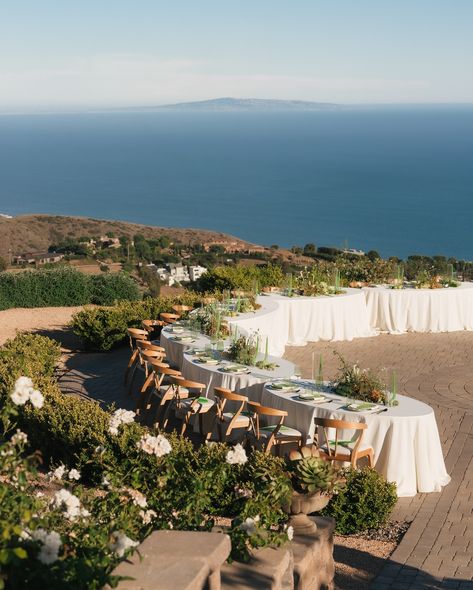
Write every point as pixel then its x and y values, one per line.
pixel 311 283
pixel 245 350
pixel 424 280
pixel 209 320
pixel 360 384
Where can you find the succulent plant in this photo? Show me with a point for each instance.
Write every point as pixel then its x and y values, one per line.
pixel 311 474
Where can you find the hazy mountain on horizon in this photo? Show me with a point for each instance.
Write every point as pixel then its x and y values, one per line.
pixel 250 104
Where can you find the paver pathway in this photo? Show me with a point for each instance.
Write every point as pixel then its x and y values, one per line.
pixel 437 550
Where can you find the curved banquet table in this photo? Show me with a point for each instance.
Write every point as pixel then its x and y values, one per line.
pixel 294 321
pixel 250 384
pixel 175 348
pixel 405 438
pixel 420 310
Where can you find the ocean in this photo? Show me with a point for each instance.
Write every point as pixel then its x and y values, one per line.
pixel 396 180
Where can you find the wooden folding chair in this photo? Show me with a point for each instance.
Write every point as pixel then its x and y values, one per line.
pixel 134 334
pixel 168 318
pixel 146 355
pixel 153 327
pixel 272 435
pixel 342 450
pixel 162 391
pixel 228 421
pixel 194 403
pixel 182 310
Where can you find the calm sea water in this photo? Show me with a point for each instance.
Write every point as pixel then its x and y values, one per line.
pixel 396 180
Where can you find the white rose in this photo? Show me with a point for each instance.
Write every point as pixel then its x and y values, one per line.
pixel 237 456
pixel 37 399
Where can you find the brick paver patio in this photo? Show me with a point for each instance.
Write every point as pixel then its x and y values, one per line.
pixel 437 550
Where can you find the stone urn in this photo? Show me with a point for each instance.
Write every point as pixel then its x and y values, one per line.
pixel 303 504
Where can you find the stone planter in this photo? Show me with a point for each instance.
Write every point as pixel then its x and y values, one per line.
pixel 303 504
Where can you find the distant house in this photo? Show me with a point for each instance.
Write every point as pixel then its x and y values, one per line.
pixel 178 273
pixel 174 273
pixel 109 242
pixel 37 258
pixel 195 272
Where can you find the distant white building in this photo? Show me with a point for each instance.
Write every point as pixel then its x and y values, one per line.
pixel 176 273
pixel 195 272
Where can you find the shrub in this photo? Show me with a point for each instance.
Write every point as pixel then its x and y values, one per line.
pixel 365 503
pixel 105 327
pixel 222 278
pixel 63 286
pixel 109 288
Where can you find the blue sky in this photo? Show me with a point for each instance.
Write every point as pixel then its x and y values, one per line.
pixel 57 54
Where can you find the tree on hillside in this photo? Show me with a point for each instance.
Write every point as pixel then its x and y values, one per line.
pixel 373 255
pixel 3 264
pixel 310 249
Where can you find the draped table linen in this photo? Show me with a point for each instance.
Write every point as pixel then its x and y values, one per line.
pixel 250 384
pixel 294 321
pixel 405 438
pixel 397 311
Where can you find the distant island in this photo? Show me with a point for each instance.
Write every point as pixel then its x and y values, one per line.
pixel 249 104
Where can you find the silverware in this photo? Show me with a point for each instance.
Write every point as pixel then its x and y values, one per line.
pixel 381 411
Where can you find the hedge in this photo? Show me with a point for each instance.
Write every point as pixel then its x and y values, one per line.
pixel 105 327
pixel 63 287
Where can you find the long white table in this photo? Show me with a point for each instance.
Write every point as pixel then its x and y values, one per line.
pixel 294 321
pixel 397 311
pixel 250 384
pixel 405 438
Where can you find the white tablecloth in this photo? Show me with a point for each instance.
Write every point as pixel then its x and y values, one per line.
pixel 420 310
pixel 249 384
pixel 294 321
pixel 175 349
pixel 405 439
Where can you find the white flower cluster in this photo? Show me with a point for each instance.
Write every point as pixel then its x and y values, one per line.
pixel 119 417
pixel 50 544
pixel 147 515
pixel 154 445
pixel 237 456
pixel 250 525
pixel 69 504
pixel 24 391
pixel 61 472
pixel 290 533
pixel 120 543
pixel 137 497
pixel 19 438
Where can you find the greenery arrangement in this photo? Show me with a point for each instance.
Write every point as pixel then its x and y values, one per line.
pixel 365 502
pixel 315 281
pixel 64 286
pixel 244 350
pixel 103 328
pixel 360 384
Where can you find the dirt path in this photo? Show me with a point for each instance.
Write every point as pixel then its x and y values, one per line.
pixel 50 321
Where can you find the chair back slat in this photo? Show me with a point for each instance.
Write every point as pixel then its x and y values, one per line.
pixel 325 424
